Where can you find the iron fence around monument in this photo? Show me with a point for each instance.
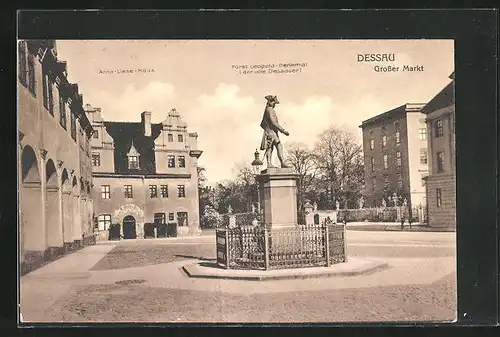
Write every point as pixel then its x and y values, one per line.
pixel 257 247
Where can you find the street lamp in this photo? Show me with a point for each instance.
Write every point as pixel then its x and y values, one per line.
pixel 257 163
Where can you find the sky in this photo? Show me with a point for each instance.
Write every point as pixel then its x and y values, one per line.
pixel 205 81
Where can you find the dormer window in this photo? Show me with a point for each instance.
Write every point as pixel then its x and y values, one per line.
pixel 133 163
pixel 133 158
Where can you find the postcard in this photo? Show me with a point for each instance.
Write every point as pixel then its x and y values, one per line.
pixel 237 181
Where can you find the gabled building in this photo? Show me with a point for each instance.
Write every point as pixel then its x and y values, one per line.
pixel 55 173
pixel 144 173
pixel 441 182
pixel 395 155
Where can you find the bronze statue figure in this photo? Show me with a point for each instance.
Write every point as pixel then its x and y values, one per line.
pixel 270 138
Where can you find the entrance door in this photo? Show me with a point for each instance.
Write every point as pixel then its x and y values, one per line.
pixel 160 224
pixel 129 227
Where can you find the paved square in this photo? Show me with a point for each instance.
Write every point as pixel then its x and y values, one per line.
pixel 142 281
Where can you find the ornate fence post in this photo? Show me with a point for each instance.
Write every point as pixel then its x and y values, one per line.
pixel 266 248
pixel 345 243
pixel 327 245
pixel 227 248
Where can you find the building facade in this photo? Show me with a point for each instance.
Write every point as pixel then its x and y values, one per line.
pixel 441 182
pixel 55 172
pixel 144 173
pixel 395 156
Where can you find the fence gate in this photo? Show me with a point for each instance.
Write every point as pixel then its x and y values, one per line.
pixel 222 248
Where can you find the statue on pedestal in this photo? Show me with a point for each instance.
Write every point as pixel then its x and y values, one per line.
pixel 337 205
pixel 361 202
pixel 270 138
pixel 315 207
pixel 384 204
pixel 229 209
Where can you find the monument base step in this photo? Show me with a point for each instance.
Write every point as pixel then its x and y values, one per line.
pixel 352 267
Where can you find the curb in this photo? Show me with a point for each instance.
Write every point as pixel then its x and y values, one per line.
pixel 192 271
pixel 389 228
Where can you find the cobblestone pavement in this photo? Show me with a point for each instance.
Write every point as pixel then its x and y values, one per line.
pixel 141 280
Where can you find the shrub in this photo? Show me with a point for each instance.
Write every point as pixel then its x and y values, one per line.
pixel 211 218
pixel 367 214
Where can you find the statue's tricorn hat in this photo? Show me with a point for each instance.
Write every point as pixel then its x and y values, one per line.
pixel 271 98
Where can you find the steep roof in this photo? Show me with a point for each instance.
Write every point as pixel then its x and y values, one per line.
pixel 400 110
pixel 123 134
pixel 174 119
pixel 444 98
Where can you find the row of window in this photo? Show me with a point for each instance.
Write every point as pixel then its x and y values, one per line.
pixel 397 139
pixel 133 161
pixel 180 138
pixel 104 220
pixel 181 160
pixel 423 159
pixel 399 177
pixel 386 161
pixel 422 134
pixel 161 218
pixel 153 191
pixel 28 79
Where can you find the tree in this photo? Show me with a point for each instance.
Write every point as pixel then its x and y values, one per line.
pixel 340 167
pixel 204 192
pixel 202 180
pixel 303 161
pixel 246 186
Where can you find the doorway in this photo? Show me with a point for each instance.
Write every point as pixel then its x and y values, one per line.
pixel 160 224
pixel 129 227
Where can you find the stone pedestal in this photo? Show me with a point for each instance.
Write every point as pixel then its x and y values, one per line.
pixel 278 197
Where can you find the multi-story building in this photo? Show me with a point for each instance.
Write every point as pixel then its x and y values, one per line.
pixel 441 182
pixel 55 178
pixel 395 155
pixel 144 173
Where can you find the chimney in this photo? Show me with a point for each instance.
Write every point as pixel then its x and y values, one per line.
pixel 146 123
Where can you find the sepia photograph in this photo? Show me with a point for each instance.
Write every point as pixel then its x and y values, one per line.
pixel 236 181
